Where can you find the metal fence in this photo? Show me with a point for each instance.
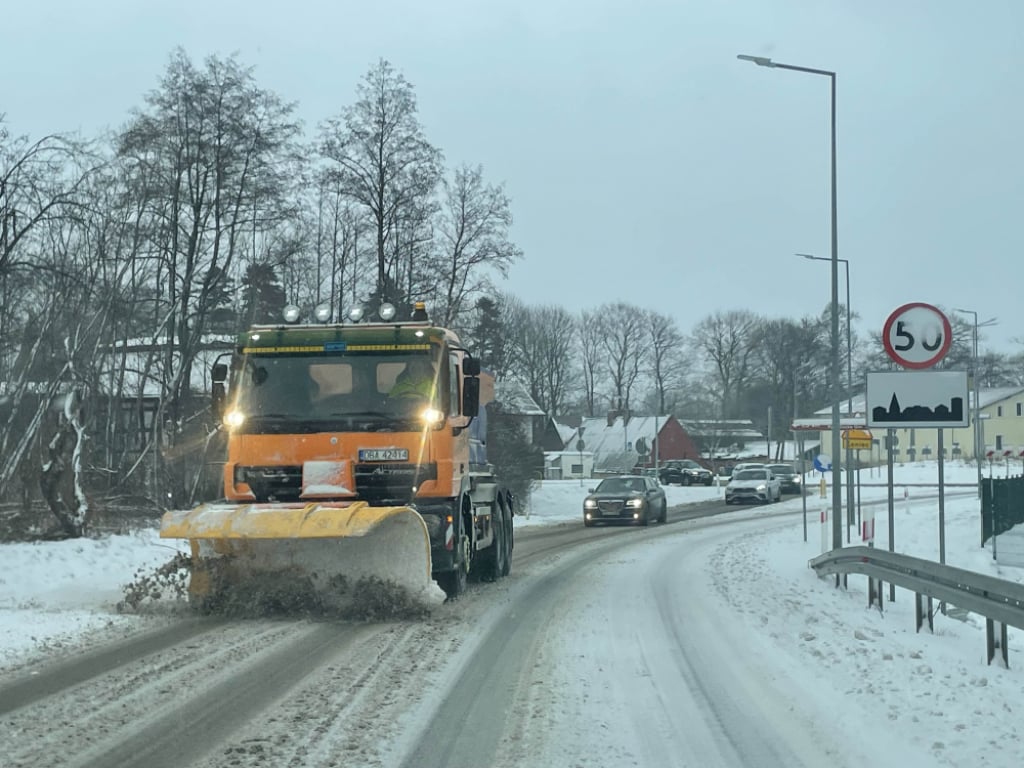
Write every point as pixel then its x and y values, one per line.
pixel 1000 602
pixel 1002 505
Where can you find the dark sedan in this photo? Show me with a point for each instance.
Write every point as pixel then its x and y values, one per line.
pixel 625 499
pixel 684 472
pixel 789 478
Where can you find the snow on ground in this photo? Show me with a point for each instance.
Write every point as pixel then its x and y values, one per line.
pixel 53 594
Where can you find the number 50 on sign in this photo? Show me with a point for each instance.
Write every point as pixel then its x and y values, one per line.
pixel 917 335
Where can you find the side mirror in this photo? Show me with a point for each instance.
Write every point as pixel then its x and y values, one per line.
pixel 218 396
pixel 470 396
pixel 470 366
pixel 219 373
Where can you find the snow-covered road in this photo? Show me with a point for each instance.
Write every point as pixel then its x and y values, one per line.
pixel 707 641
pixel 621 656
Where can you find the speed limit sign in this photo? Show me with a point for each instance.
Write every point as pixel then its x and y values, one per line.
pixel 917 335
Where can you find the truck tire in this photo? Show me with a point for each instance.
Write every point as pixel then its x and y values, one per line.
pixel 454 582
pixel 506 515
pixel 493 560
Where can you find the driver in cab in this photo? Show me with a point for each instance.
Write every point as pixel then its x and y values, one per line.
pixel 416 382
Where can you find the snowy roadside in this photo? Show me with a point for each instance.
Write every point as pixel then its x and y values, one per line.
pixel 56 595
pixel 880 679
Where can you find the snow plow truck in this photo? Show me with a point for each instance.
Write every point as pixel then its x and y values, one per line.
pixel 356 457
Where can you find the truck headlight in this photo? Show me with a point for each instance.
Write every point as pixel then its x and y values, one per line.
pixel 432 416
pixel 234 418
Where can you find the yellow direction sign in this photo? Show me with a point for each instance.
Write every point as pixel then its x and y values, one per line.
pixel 857 439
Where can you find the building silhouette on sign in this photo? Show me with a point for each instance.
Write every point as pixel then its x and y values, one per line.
pixel 954 412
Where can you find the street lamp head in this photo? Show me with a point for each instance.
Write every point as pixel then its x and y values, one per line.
pixel 813 258
pixel 761 61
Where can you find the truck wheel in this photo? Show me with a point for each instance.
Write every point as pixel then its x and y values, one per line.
pixel 506 517
pixel 493 559
pixel 454 582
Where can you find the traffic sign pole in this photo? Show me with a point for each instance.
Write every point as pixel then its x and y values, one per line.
pixel 892 515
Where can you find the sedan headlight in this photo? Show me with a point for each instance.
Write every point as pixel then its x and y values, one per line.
pixel 590 504
pixel 635 503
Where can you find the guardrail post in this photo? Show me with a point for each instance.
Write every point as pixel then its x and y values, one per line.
pixel 921 613
pixel 875 590
pixel 994 642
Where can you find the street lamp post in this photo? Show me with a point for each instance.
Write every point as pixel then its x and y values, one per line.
pixel 979 434
pixel 837 507
pixel 849 388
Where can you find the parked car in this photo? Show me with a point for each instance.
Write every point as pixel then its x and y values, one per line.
pixel 749 465
pixel 625 499
pixel 790 479
pixel 758 485
pixel 684 472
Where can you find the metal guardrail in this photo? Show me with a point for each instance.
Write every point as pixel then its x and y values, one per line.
pixel 1000 602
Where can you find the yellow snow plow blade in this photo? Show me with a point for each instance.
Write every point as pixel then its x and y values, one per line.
pixel 338 550
pixel 278 521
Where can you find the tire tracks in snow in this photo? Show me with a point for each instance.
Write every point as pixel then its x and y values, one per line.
pixel 170 708
pixel 55 678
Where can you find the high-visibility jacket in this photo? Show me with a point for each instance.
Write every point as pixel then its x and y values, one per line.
pixel 409 387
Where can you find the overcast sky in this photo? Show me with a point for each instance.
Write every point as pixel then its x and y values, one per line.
pixel 645 162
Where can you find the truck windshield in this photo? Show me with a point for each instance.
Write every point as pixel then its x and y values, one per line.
pixel 315 388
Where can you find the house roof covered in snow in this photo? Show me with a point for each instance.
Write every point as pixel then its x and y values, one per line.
pixel 614 444
pixel 516 399
pixel 567 434
pixel 701 429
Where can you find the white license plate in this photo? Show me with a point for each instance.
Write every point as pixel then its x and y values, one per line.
pixel 383 454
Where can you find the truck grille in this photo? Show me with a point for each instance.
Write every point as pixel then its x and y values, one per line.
pixel 391 482
pixel 277 483
pixel 385 482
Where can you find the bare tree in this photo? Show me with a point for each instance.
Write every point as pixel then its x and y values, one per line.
pixel 726 341
pixel 667 355
pixel 381 160
pixel 590 334
pixel 788 359
pixel 622 340
pixel 540 346
pixel 219 160
pixel 474 224
pixel 43 225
